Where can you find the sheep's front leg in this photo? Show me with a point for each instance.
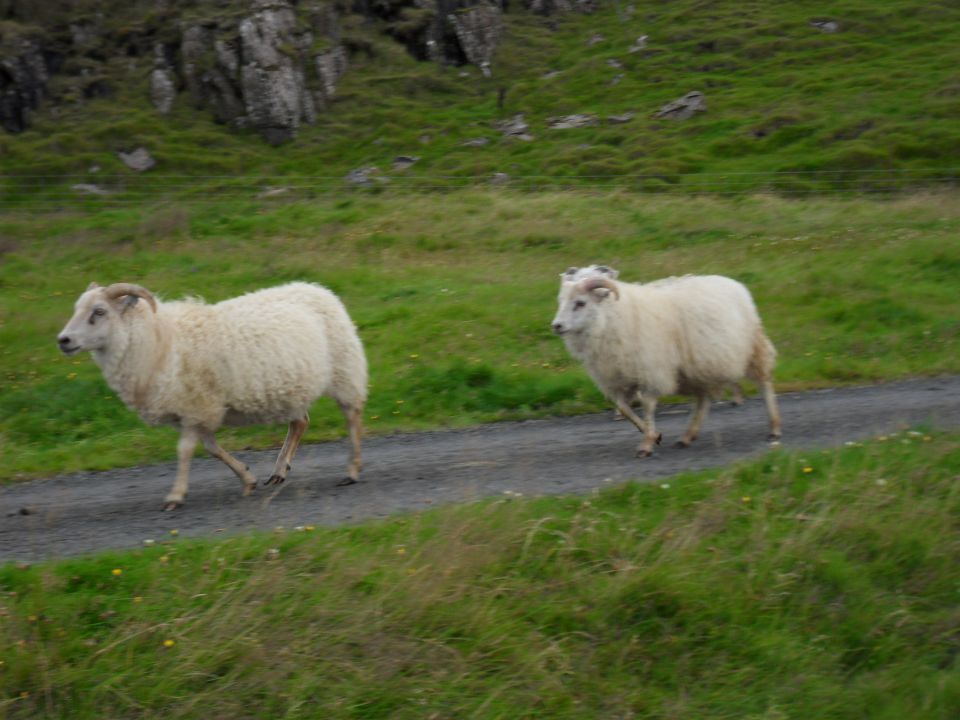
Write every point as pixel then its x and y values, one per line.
pixel 185 447
pixel 241 470
pixel 285 458
pixel 698 415
pixel 650 435
pixel 354 417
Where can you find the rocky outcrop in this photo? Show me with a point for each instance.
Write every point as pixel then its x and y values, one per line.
pixel 23 78
pixel 270 67
pixel 479 29
pixel 557 7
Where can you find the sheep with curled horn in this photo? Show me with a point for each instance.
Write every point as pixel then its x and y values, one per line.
pixel 263 357
pixel 691 335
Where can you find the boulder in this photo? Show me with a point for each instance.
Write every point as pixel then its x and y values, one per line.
pixel 515 127
pixel 619 119
pixel 402 162
pixel 683 108
pixel 139 160
pixel 826 26
pixel 568 122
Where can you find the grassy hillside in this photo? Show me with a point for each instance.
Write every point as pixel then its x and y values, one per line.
pixel 872 106
pixel 453 296
pixel 816 585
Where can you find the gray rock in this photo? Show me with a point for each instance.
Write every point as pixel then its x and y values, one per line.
pixel 89 189
pixel 139 160
pixel 620 119
pixel 331 65
pixel 274 192
pixel 162 90
pixel 476 142
pixel 683 108
pixel 568 122
pixel 499 178
pixel 24 83
pixel 551 74
pixel 275 94
pixel 614 63
pixel 639 44
pixel 615 80
pixel 363 176
pixel 515 127
pixel 596 39
pixel 402 162
pixel 826 26
pixel 478 29
pixel 558 7
pixel 262 71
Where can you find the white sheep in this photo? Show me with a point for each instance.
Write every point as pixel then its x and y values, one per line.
pixel 691 335
pixel 263 357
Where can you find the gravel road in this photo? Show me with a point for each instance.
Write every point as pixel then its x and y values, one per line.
pixel 83 512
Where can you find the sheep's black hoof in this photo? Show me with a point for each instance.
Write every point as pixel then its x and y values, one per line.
pixel 680 444
pixel 774 437
pixel 172 505
pixel 346 481
pixel 659 438
pixel 275 480
pixel 644 453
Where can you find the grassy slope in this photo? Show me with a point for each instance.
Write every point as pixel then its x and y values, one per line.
pixel 817 585
pixel 883 93
pixel 453 301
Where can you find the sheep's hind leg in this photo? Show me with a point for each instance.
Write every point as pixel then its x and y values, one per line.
pixel 354 417
pixel 773 410
pixel 696 421
pixel 185 447
pixel 241 470
pixel 290 445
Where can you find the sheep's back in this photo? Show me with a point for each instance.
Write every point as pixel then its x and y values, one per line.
pixel 265 355
pixel 713 321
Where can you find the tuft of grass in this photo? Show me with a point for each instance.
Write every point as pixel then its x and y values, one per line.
pixel 453 296
pixel 801 584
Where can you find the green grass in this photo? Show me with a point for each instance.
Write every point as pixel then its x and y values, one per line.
pixel 799 585
pixel 871 107
pixel 453 295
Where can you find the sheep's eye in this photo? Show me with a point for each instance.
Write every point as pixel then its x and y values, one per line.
pixel 97 312
pixel 579 304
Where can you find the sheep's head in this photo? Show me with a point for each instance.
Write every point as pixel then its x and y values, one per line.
pixel 96 314
pixel 580 300
pixel 572 274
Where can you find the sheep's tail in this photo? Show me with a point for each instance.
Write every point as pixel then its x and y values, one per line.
pixel 762 358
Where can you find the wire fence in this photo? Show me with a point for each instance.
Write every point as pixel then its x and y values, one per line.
pixel 51 192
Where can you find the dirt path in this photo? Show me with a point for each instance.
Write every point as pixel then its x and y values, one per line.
pixel 83 512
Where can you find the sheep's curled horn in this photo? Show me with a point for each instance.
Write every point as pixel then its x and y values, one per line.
pixel 118 290
pixel 592 283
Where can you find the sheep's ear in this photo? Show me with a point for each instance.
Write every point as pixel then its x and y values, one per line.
pixel 91 286
pixel 128 302
pixel 608 271
pixel 569 272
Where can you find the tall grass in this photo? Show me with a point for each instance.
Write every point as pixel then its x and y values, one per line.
pixel 798 585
